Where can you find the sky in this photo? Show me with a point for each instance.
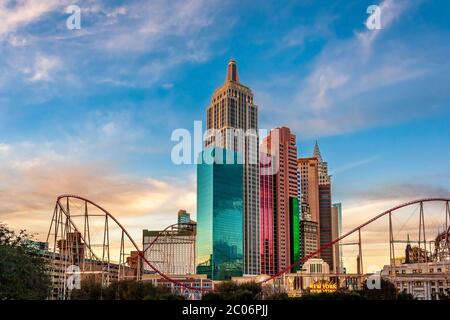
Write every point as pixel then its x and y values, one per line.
pixel 91 111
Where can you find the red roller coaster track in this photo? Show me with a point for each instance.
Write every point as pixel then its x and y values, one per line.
pixel 357 229
pixel 286 270
pixel 140 252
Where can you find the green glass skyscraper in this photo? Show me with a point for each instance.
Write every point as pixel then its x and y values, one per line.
pixel 219 245
pixel 294 215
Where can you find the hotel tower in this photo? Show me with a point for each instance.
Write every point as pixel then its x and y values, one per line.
pixel 280 215
pixel 233 118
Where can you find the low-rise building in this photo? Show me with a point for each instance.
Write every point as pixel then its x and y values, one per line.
pixel 192 286
pixel 424 281
pixel 171 251
pixel 423 274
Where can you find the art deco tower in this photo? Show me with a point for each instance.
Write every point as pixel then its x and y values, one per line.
pixel 325 205
pixel 233 116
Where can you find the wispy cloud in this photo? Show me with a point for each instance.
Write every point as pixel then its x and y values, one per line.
pixel 16 14
pixel 32 176
pixel 300 35
pixel 357 82
pixel 139 43
pixel 43 68
pixel 390 11
pixel 353 164
pixel 399 191
pixel 4 149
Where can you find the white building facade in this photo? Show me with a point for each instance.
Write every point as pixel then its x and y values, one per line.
pixel 173 252
pixel 424 281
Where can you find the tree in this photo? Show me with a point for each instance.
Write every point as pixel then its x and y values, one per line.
pixel 388 291
pixel 277 296
pixel 405 296
pixel 444 295
pixel 23 272
pixel 230 290
pixel 122 290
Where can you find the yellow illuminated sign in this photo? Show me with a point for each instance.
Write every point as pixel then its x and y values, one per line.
pixel 323 286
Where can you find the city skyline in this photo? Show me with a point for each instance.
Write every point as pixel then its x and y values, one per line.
pixel 66 120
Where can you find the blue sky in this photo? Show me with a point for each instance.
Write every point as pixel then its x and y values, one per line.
pixel 91 111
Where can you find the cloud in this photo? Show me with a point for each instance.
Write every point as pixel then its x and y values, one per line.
pixel 17 41
pixel 157 26
pixel 343 70
pixel 300 35
pixel 118 11
pixel 359 206
pixel 33 175
pixel 373 78
pixel 44 67
pixel 137 45
pixel 4 149
pixel 353 165
pixel 399 191
pixel 390 11
pixel 111 133
pixel 16 14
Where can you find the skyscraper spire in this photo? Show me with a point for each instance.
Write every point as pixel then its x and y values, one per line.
pixel 232 74
pixel 232 109
pixel 316 152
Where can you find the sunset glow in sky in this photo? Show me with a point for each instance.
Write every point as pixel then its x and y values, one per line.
pixel 91 111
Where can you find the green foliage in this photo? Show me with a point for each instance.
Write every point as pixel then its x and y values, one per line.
pixel 443 295
pixel 278 296
pixel 388 291
pixel 122 290
pixel 230 290
pixel 91 290
pixel 405 296
pixel 11 238
pixel 23 274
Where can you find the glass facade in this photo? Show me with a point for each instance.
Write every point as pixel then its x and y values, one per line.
pixel 267 230
pixel 183 217
pixel 294 213
pixel 219 247
pixel 325 224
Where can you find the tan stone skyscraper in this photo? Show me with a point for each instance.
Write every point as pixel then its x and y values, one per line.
pixel 316 192
pixel 234 116
pixel 324 178
pixel 309 176
pixel 308 169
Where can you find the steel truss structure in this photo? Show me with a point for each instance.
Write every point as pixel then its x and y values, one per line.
pixel 422 241
pixel 74 254
pixel 172 250
pixel 71 243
